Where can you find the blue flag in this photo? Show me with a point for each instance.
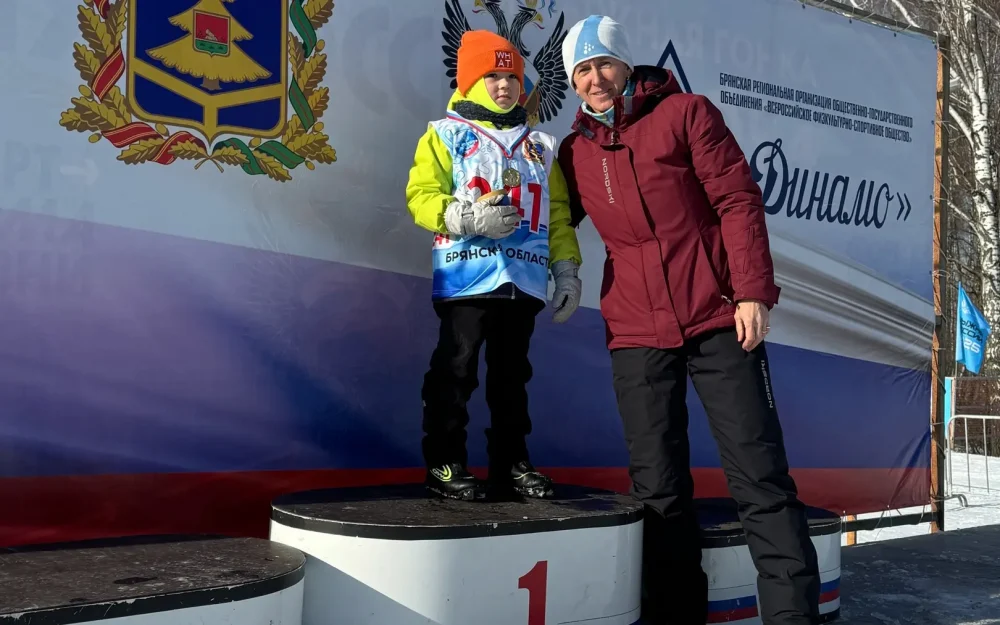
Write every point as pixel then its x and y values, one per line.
pixel 972 331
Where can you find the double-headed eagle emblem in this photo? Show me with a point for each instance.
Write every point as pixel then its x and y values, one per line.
pixel 544 93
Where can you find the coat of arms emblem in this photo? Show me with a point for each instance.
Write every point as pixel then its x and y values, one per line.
pixel 545 80
pixel 205 81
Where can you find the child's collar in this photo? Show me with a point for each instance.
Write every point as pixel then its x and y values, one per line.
pixel 478 113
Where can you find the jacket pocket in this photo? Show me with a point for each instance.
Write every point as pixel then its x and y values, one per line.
pixel 712 295
pixel 625 302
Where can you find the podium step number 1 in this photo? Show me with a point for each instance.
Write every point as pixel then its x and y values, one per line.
pixel 392 555
pixel 535 582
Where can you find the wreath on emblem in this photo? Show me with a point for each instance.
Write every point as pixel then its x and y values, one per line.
pixel 101 108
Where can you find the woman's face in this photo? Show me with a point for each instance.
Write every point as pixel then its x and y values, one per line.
pixel 599 80
pixel 503 88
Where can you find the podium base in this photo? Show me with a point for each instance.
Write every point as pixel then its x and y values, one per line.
pixel 395 554
pixel 732 577
pixel 153 581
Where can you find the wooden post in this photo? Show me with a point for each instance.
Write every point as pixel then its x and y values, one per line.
pixel 852 537
pixel 942 350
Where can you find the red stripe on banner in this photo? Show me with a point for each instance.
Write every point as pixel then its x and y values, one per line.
pixel 127 135
pixel 78 507
pixel 863 490
pixel 827 597
pixel 109 73
pixel 729 616
pixel 102 7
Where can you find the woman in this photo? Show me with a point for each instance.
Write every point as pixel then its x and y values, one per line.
pixel 688 285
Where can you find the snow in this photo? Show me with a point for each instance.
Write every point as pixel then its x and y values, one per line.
pixel 977 506
pixel 905 575
pixel 952 578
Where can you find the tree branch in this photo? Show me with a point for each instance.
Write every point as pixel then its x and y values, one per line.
pixel 974 226
pixel 962 125
pixel 906 14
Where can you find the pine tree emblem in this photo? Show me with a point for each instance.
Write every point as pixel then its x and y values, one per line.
pixel 212 31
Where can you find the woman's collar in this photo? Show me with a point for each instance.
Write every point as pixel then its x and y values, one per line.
pixel 608 117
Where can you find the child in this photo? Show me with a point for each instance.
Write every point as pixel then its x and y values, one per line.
pixel 490 189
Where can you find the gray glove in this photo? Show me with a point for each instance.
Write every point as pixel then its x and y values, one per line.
pixel 482 218
pixel 569 288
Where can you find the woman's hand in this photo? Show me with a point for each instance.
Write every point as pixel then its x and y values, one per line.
pixel 751 323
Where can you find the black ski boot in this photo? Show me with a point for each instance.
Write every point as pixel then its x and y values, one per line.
pixel 523 479
pixel 453 481
pixel 530 483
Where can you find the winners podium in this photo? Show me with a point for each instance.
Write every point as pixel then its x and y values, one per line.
pixel 163 580
pixel 392 555
pixel 732 577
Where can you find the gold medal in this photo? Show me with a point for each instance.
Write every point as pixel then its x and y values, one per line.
pixel 511 178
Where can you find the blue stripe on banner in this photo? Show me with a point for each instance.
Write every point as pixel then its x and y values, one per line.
pixel 833 584
pixel 183 355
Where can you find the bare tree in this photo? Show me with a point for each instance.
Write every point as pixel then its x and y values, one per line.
pixel 973 247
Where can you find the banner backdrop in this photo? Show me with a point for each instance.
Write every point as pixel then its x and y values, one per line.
pixel 212 291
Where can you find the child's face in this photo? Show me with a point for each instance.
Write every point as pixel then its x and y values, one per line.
pixel 503 88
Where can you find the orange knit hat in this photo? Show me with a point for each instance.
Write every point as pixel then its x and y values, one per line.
pixel 482 52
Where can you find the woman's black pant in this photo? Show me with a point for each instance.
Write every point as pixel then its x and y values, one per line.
pixel 735 388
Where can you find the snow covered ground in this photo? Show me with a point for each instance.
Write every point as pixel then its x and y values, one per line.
pixel 943 579
pixel 951 578
pixel 983 507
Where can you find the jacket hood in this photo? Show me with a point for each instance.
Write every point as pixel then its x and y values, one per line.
pixel 652 84
pixel 652 81
pixel 457 97
pixel 477 94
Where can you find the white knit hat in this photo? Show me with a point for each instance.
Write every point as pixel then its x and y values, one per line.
pixel 597 35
